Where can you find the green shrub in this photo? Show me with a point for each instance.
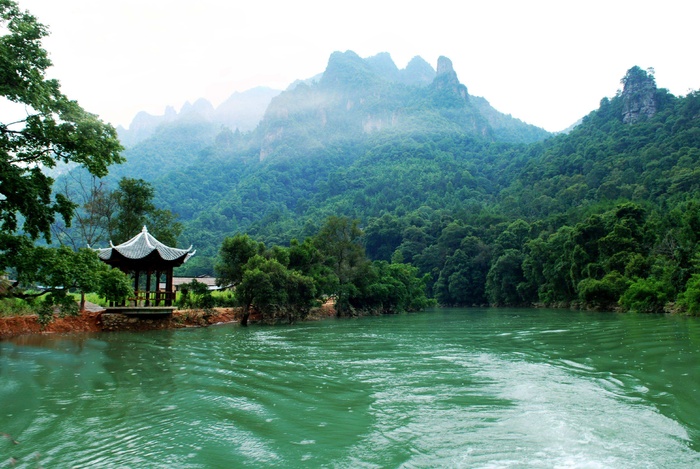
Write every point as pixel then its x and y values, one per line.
pixel 646 296
pixel 195 295
pixel 603 293
pixel 690 298
pixel 224 299
pixel 15 307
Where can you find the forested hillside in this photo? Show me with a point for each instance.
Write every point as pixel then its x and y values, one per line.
pixel 606 214
pixel 495 210
pixel 284 177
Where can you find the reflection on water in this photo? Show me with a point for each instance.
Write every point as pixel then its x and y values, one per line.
pixel 453 388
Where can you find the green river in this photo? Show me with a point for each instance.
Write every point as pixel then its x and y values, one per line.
pixel 472 388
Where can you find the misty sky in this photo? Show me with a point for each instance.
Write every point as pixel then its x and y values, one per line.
pixel 545 62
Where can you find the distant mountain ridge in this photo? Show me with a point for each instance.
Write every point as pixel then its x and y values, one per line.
pixel 353 100
pixel 242 111
pixel 357 97
pixel 353 94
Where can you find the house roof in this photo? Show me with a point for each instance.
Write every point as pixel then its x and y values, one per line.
pixel 210 282
pixel 143 246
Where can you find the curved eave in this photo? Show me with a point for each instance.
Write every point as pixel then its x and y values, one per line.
pixel 152 261
pixel 144 252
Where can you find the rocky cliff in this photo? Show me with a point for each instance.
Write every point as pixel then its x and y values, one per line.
pixel 357 97
pixel 638 95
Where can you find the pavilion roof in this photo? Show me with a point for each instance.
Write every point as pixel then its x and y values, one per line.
pixel 144 245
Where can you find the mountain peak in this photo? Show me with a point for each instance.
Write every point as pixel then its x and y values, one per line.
pixel 418 72
pixel 638 95
pixel 384 66
pixel 347 69
pixel 444 66
pixel 446 78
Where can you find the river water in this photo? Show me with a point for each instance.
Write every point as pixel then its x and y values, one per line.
pixel 473 388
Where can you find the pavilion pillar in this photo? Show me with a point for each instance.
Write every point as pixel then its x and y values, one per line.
pixel 158 298
pixel 149 274
pixel 137 274
pixel 170 294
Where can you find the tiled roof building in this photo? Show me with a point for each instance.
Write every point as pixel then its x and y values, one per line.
pixel 144 254
pixel 144 246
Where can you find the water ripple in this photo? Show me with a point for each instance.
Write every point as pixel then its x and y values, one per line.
pixel 450 388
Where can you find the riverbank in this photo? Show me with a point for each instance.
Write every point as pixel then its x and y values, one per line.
pixel 94 321
pixel 97 320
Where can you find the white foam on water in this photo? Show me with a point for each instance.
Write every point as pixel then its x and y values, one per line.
pixel 513 413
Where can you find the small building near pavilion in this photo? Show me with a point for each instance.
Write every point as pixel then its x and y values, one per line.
pixel 148 261
pixel 209 281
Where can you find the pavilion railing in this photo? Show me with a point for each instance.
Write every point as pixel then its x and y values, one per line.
pixel 152 298
pixel 144 298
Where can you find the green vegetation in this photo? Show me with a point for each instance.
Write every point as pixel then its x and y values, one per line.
pixel 284 283
pixel 195 295
pixel 16 307
pixel 401 189
pixel 52 129
pixel 604 217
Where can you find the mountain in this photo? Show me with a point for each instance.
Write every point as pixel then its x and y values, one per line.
pixel 143 125
pixel 221 181
pixel 330 145
pixel 242 111
pixel 353 100
pixel 358 97
pixel 492 210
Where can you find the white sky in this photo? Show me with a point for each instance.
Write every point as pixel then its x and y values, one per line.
pixel 545 62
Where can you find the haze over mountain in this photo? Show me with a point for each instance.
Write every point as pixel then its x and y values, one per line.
pixel 242 111
pixel 357 97
pixel 372 90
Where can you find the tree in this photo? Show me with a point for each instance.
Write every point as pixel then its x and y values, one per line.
pixel 115 286
pixel 462 280
pixel 339 242
pixel 264 284
pixel 690 297
pixel 94 215
pixel 505 280
pixel 55 272
pixel 547 266
pixel 604 293
pixel 382 236
pixel 646 296
pixel 42 129
pixel 164 226
pixel 135 201
pixel 397 287
pixel 301 295
pixel 135 209
pixel 51 129
pixel 234 254
pixel 196 295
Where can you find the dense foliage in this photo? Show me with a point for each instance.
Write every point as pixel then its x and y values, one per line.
pixel 604 217
pixel 446 193
pixel 40 128
pixel 47 128
pixel 286 282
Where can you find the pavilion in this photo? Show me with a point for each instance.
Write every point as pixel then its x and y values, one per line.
pixel 144 255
